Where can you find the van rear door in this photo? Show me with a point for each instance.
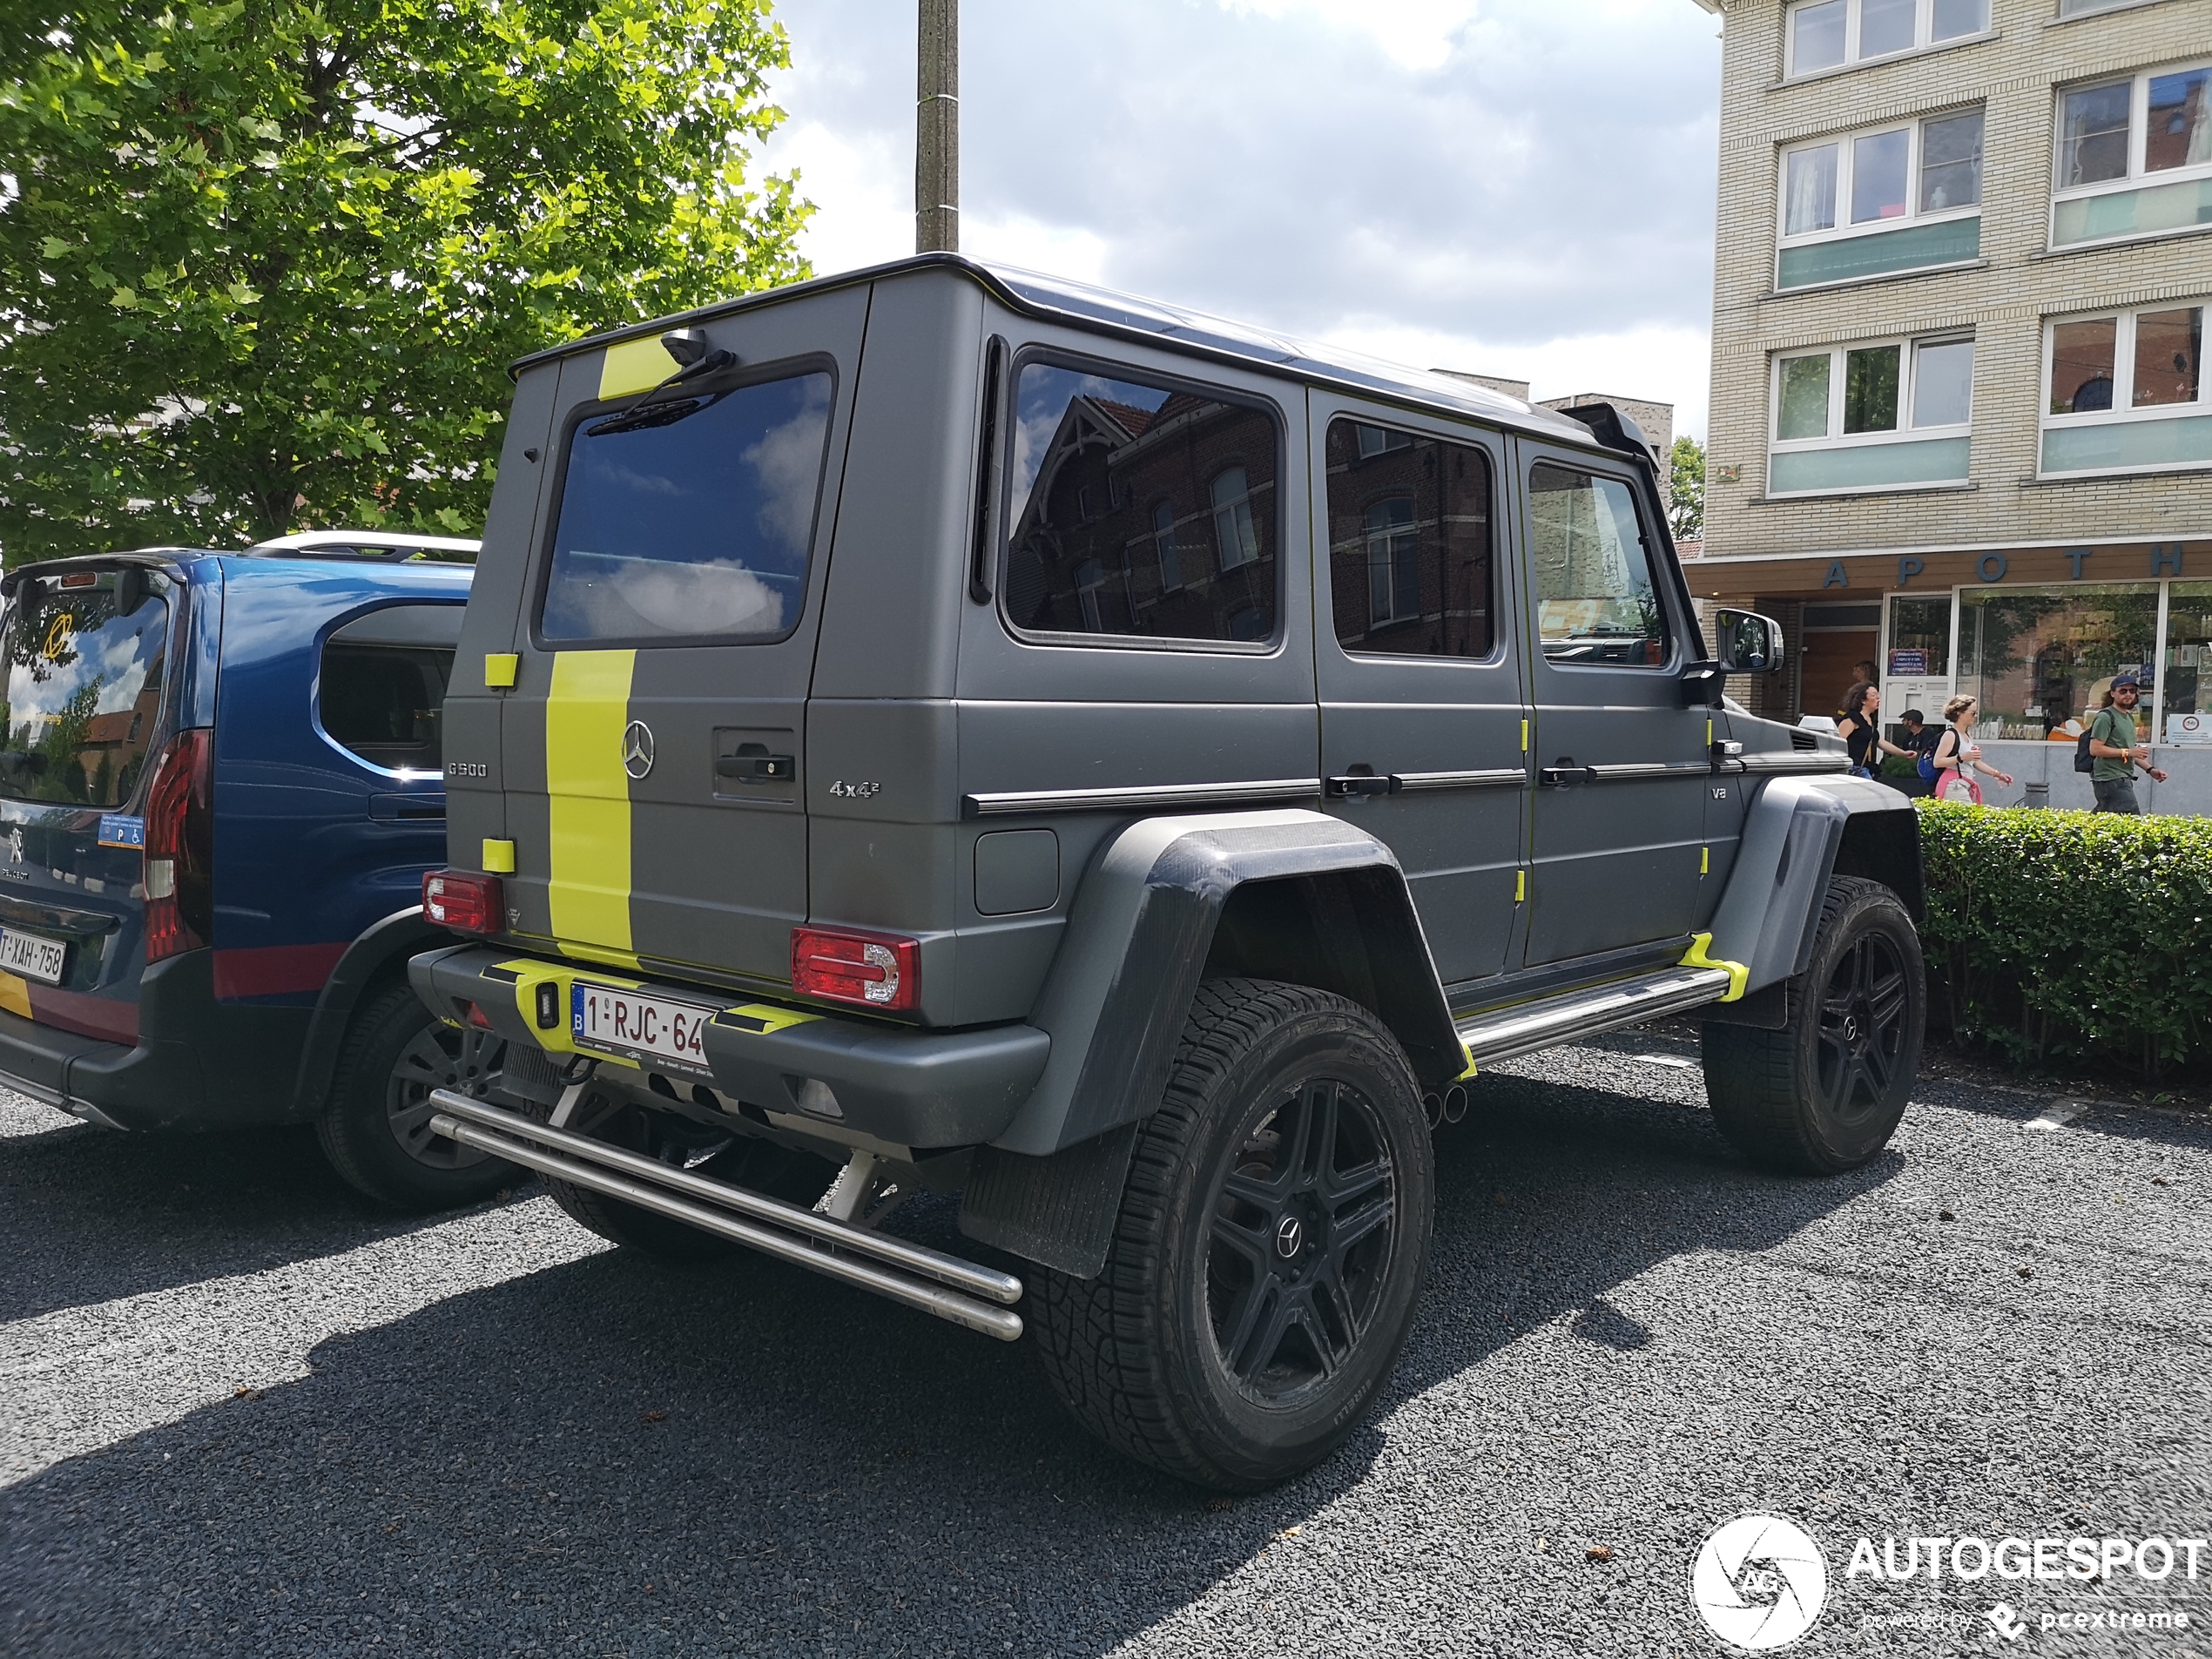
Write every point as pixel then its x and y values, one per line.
pixel 650 748
pixel 86 650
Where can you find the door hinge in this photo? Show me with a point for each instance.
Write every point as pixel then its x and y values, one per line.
pixel 1520 887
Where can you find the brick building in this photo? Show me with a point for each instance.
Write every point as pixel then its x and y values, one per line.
pixel 1959 423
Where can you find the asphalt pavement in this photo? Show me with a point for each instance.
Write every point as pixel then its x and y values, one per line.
pixel 241 1411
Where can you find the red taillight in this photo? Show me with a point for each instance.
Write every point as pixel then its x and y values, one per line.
pixel 180 847
pixel 870 970
pixel 465 902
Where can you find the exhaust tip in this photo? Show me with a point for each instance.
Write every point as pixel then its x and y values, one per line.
pixel 1455 1102
pixel 1432 1105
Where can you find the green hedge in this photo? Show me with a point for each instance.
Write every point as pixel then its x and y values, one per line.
pixel 2072 936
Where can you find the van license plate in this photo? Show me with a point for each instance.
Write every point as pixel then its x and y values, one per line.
pixel 33 956
pixel 639 1028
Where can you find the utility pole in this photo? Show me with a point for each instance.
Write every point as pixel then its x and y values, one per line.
pixel 937 129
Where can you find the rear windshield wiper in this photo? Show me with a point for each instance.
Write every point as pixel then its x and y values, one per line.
pixel 694 361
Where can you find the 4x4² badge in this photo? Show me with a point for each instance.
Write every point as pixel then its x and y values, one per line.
pixel 638 749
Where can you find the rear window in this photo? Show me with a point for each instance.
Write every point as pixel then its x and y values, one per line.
pixel 84 684
pixel 690 519
pixel 383 684
pixel 1142 510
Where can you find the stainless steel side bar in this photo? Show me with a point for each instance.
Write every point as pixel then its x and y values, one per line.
pixel 791 1234
pixel 1512 1031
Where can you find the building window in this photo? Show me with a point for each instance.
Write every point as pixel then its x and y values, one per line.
pixel 2040 661
pixel 2127 393
pixel 1827 34
pixel 1393 562
pixel 1234 532
pixel 1867 203
pixel 1887 415
pixel 1164 545
pixel 2188 689
pixel 2135 156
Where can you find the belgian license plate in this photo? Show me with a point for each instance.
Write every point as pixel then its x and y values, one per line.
pixel 33 955
pixel 639 1028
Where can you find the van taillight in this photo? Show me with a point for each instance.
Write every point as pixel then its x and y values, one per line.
pixel 461 900
pixel 868 970
pixel 180 847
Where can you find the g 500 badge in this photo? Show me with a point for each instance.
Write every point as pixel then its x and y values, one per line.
pixel 117 829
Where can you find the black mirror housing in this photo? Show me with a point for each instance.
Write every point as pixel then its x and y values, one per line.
pixel 1746 643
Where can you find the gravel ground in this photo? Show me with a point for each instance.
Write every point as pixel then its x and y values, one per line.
pixel 244 1413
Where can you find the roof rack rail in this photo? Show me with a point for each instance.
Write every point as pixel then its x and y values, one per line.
pixel 390 546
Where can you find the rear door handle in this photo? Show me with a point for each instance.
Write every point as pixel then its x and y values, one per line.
pixel 1566 773
pixel 757 769
pixel 1360 785
pixel 387 808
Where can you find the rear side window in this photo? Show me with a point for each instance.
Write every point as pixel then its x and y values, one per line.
pixel 1409 543
pixel 383 684
pixel 84 684
pixel 1596 604
pixel 690 519
pixel 1140 511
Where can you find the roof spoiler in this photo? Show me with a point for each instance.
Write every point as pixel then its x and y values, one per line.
pixel 1613 428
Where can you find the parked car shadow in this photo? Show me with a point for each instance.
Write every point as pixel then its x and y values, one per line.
pixel 88 1215
pixel 616 1455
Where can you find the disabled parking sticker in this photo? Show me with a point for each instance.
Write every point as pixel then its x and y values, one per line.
pixel 120 829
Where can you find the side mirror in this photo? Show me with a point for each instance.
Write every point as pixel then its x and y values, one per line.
pixel 1746 643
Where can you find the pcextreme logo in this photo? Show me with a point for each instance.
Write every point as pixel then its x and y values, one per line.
pixel 1759 1582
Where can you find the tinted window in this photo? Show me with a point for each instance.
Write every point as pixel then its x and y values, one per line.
pixel 383 684
pixel 690 519
pixel 1140 511
pixel 1409 543
pixel 84 684
pixel 1594 599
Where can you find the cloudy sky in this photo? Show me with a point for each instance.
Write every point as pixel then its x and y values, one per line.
pixel 1516 187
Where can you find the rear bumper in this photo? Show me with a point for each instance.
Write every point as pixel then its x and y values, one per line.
pixel 197 1064
pixel 914 1089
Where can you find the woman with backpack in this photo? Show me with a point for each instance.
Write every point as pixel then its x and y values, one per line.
pixel 1862 733
pixel 1957 756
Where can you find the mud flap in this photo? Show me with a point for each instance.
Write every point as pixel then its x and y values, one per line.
pixel 1058 1210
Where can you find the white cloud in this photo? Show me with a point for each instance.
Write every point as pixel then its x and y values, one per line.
pixel 1518 186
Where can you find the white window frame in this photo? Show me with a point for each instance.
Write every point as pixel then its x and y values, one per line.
pixel 1383 546
pixel 1907 388
pixel 2123 384
pixel 1845 230
pixel 1231 519
pixel 1923 27
pixel 2138 149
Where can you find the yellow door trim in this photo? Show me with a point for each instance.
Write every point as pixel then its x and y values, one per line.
pixel 588 875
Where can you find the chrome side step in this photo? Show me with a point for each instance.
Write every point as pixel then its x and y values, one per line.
pixel 1528 1027
pixel 944 1285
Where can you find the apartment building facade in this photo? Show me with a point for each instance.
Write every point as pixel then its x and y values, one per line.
pixel 1960 426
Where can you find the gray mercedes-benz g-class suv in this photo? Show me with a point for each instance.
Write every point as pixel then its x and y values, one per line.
pixel 942 728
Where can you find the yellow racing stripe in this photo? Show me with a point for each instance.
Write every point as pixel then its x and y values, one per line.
pixel 588 879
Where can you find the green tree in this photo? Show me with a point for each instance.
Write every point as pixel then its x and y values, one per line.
pixel 263 263
pixel 1686 485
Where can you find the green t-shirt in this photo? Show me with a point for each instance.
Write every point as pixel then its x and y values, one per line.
pixel 2118 728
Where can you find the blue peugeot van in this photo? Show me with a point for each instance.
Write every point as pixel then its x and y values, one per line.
pixel 220 785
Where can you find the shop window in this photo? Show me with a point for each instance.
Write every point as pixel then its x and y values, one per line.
pixel 1904 197
pixel 2041 661
pixel 1827 34
pixel 2187 690
pixel 1885 415
pixel 2127 393
pixel 1919 638
pixel 2135 156
pixel 1409 543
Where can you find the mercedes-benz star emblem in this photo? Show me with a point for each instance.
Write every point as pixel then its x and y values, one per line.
pixel 1289 1235
pixel 638 749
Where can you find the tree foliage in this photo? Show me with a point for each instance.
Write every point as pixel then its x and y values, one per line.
pixel 263 263
pixel 1686 488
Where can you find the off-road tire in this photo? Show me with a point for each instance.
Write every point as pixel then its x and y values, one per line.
pixel 795 1177
pixel 1137 1354
pixel 1824 1094
pixel 374 1125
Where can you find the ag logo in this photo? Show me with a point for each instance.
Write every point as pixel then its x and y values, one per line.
pixel 1759 1581
pixel 638 749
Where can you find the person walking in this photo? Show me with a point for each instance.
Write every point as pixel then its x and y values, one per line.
pixel 1957 756
pixel 1862 732
pixel 2116 748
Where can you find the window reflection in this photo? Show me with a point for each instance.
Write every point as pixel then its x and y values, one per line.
pixel 1409 543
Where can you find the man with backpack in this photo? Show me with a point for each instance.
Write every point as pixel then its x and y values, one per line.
pixel 2114 748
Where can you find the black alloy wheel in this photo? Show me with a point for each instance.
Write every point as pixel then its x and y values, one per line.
pixel 439 1057
pixel 1824 1091
pixel 1302 1235
pixel 1863 1037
